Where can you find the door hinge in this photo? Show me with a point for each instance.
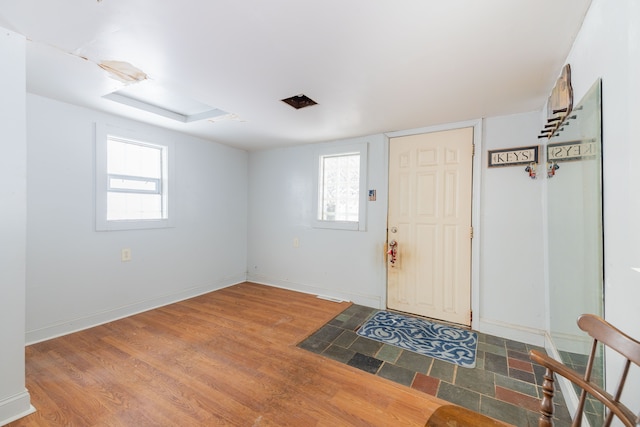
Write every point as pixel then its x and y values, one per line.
pixel 473 150
pixel 471 232
pixel 470 316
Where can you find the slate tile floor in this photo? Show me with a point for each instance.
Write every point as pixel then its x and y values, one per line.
pixel 504 384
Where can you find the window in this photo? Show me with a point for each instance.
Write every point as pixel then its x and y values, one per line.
pixel 132 181
pixel 341 178
pixel 134 175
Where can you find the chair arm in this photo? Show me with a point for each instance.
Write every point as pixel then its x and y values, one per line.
pixel 553 366
pixel 457 416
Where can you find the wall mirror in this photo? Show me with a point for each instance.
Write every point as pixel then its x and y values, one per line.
pixel 575 234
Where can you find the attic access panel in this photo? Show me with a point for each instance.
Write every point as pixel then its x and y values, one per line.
pixel 299 101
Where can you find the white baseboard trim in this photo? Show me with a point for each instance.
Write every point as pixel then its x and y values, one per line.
pixel 572 343
pixel 79 324
pixel 513 332
pixel 15 407
pixel 366 300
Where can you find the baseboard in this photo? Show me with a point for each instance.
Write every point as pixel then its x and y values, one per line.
pixel 512 332
pixel 79 324
pixel 15 407
pixel 580 344
pixel 373 301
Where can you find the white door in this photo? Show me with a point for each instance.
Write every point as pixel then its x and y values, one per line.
pixel 430 183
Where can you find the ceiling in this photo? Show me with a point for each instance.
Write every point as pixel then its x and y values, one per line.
pixel 372 66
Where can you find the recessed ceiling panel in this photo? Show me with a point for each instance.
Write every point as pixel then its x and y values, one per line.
pixel 154 98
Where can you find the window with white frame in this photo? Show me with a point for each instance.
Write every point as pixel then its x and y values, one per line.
pixel 341 187
pixel 132 181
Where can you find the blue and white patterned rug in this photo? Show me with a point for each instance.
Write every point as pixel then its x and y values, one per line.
pixel 443 342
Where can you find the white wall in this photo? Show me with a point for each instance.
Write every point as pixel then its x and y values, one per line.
pixel 14 398
pixel 608 46
pixel 75 278
pixel 338 263
pixel 512 300
pixel 350 265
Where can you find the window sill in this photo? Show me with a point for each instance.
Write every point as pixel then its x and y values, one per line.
pixel 339 225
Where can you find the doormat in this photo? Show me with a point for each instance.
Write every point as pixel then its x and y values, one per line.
pixel 444 342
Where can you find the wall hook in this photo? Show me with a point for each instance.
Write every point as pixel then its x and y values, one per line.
pixel 552 167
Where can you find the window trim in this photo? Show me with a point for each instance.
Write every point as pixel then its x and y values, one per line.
pixel 156 181
pixel 102 132
pixel 339 150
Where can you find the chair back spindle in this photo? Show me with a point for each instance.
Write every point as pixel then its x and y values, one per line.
pixel 602 332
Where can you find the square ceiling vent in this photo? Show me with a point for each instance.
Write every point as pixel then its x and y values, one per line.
pixel 299 101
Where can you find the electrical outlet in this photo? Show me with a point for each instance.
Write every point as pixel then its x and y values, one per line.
pixel 125 255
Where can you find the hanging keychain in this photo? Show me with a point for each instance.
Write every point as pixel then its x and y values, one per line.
pixel 532 170
pixel 393 252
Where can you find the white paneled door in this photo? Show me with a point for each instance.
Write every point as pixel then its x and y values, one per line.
pixel 430 190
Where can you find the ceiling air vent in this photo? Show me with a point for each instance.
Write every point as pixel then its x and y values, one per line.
pixel 299 101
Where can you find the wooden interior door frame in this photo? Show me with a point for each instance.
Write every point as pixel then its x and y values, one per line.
pixel 475 203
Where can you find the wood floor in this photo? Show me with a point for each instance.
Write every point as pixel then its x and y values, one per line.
pixel 225 358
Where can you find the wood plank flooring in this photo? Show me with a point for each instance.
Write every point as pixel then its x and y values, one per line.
pixel 225 358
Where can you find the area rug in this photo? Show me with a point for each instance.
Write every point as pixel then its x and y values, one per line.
pixel 444 342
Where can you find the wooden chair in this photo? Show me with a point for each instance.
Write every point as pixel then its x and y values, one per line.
pixel 457 416
pixel 605 333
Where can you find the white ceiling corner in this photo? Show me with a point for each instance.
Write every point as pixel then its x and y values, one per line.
pixel 372 66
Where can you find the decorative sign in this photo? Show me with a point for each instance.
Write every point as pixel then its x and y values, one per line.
pixel 572 150
pixel 513 156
